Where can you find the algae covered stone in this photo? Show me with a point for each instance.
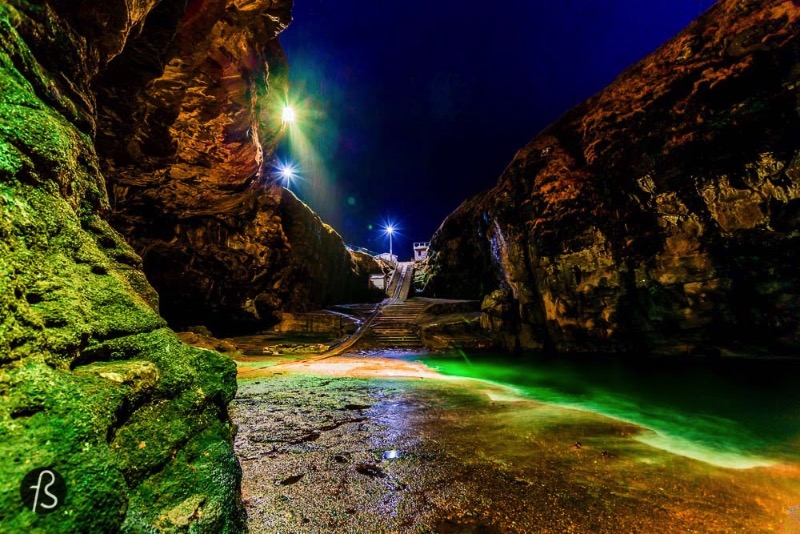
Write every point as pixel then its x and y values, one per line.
pixel 88 371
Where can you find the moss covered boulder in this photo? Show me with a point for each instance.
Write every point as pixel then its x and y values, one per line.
pixel 92 384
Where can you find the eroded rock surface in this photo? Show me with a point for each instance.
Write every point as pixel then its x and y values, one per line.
pixel 189 116
pixel 661 214
pixel 173 96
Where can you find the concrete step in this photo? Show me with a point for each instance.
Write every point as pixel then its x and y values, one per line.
pixel 390 333
pixel 395 325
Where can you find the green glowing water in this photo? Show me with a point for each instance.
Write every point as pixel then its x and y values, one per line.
pixel 730 413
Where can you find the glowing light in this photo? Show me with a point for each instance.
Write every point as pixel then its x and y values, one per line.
pixel 390 229
pixel 311 139
pixel 287 172
pixel 289 116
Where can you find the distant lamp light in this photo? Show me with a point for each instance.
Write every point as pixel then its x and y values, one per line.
pixel 287 172
pixel 289 116
pixel 389 230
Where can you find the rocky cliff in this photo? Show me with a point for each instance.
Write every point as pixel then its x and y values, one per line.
pixel 661 215
pixel 170 106
pixel 189 114
pixel 92 384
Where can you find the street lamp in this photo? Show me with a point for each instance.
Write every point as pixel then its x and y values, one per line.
pixel 390 231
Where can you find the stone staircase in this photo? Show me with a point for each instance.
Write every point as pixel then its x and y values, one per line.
pixel 395 326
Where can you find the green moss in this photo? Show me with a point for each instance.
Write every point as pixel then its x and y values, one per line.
pixel 202 479
pixel 69 285
pixel 51 417
pixel 88 373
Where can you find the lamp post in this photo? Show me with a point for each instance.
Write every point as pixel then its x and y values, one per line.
pixel 390 231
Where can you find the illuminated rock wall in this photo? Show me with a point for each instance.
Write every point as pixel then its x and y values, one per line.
pixel 189 117
pixel 661 215
pixel 168 106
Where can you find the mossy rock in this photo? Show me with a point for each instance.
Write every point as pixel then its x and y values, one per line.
pixel 88 371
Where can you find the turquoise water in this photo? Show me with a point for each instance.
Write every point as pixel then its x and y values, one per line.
pixel 735 413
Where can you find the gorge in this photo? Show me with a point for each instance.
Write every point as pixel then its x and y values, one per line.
pixel 575 342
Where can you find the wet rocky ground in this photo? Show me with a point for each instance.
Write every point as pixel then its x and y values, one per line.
pixel 370 444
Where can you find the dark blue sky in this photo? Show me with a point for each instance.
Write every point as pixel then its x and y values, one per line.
pixel 413 107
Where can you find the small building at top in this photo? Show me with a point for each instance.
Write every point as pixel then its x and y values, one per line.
pixel 421 251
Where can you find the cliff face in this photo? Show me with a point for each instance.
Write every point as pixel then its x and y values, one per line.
pixel 662 214
pixel 170 105
pixel 189 116
pixel 92 384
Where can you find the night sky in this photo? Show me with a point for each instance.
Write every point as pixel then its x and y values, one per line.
pixel 407 109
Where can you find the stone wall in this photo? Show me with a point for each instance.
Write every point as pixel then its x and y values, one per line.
pixel 331 324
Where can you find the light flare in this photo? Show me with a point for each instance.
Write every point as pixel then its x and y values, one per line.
pixel 390 229
pixel 308 138
pixel 289 115
pixel 287 172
